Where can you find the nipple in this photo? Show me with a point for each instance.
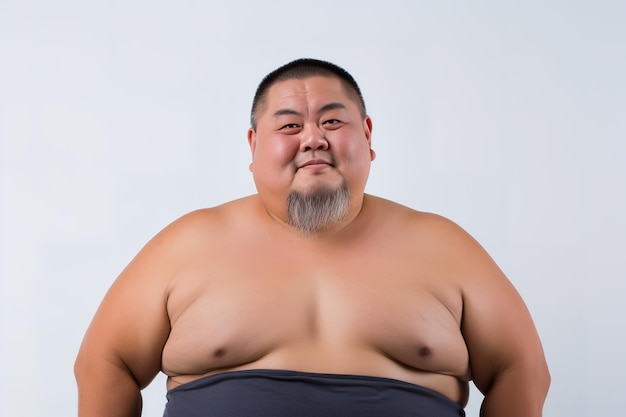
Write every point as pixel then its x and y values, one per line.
pixel 424 351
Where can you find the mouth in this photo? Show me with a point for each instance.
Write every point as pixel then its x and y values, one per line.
pixel 315 163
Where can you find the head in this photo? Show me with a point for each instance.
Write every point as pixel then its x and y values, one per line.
pixel 300 69
pixel 310 143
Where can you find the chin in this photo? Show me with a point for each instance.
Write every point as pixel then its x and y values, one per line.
pixel 319 187
pixel 318 207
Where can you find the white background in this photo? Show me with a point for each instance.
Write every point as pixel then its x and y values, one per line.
pixel 116 117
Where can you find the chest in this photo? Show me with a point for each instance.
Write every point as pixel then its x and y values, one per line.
pixel 250 308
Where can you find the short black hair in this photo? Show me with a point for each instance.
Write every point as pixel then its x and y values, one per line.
pixel 305 68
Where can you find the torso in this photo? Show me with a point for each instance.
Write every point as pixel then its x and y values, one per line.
pixel 380 302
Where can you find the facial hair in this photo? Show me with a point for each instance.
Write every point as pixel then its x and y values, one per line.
pixel 316 211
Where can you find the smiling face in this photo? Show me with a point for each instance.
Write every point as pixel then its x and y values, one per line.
pixel 310 137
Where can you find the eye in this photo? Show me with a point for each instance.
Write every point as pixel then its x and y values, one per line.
pixel 290 127
pixel 332 124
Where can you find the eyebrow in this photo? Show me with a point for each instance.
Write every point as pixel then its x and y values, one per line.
pixel 323 109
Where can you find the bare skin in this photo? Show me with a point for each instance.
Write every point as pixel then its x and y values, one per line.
pixel 387 292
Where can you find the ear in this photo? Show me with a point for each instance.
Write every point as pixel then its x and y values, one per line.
pixel 252 145
pixel 367 128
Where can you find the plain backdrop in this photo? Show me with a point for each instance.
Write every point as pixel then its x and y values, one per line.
pixel 117 117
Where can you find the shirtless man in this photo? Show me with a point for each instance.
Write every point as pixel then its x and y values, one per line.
pixel 312 297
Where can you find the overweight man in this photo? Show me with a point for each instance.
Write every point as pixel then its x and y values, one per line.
pixel 312 298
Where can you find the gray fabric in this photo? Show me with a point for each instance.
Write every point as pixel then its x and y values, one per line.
pixel 280 393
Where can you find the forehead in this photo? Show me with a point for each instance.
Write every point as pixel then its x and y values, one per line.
pixel 311 91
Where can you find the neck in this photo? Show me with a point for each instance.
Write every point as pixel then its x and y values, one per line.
pixel 327 230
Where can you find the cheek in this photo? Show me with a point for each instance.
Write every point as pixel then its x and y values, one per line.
pixel 275 152
pixel 357 163
pixel 357 154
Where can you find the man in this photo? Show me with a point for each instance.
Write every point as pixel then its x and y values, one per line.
pixel 312 298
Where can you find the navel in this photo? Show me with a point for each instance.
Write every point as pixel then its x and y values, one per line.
pixel 219 353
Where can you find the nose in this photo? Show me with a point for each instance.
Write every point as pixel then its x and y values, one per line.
pixel 313 139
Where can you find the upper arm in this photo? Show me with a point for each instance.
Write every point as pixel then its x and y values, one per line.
pixel 496 325
pixel 131 324
pixel 499 332
pixel 498 329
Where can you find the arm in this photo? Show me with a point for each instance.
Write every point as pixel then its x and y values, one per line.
pixel 506 356
pixel 121 351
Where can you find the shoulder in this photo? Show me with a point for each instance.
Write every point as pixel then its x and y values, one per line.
pixel 192 234
pixel 212 216
pixel 206 223
pixel 424 225
pixel 444 243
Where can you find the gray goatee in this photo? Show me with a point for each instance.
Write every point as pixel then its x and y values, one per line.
pixel 315 212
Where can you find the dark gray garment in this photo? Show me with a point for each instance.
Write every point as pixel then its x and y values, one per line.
pixel 280 393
